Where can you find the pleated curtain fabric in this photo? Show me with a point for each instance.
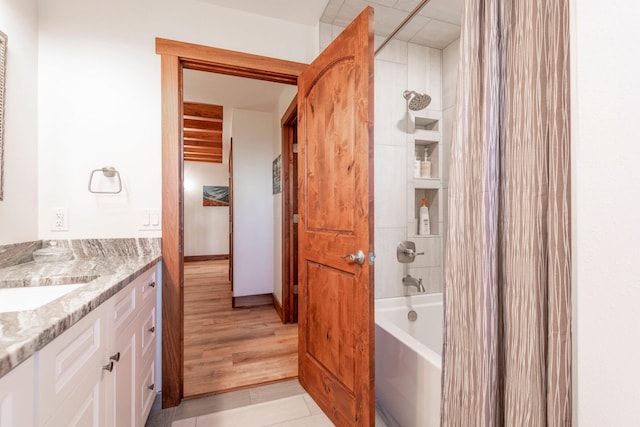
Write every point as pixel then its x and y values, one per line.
pixel 507 332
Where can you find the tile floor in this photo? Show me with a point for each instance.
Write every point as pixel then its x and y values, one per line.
pixel 292 411
pixel 283 404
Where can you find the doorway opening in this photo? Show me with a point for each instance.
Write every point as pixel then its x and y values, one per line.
pixel 175 57
pixel 335 122
pixel 233 335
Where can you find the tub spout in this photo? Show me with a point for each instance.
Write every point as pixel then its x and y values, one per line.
pixel 412 281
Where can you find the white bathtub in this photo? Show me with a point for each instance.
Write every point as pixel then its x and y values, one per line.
pixel 408 360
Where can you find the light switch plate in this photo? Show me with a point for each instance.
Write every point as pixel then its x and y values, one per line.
pixel 149 220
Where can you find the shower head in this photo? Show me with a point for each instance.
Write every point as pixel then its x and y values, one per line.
pixel 417 101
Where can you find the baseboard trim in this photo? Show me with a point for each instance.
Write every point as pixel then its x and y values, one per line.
pixel 278 307
pixel 252 300
pixel 194 258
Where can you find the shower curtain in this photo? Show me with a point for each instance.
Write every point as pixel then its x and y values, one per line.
pixel 507 334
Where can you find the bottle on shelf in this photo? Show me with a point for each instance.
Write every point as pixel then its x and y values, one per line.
pixel 425 165
pixel 417 168
pixel 424 227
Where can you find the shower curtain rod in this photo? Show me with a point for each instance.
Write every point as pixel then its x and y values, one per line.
pixel 401 26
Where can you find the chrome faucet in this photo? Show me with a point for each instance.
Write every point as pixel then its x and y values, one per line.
pixel 412 281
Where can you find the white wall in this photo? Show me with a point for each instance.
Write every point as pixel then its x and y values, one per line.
pixel 19 209
pixel 253 261
pixel 99 97
pixel 605 92
pixel 206 228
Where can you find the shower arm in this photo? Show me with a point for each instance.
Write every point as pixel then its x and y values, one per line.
pixel 401 26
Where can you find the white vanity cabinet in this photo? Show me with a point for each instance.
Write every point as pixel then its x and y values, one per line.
pixel 120 380
pixel 70 377
pixel 132 349
pixel 92 374
pixel 17 403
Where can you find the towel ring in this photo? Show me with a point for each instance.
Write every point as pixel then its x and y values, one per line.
pixel 109 172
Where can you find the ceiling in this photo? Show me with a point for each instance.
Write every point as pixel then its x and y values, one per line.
pixel 233 92
pixel 436 25
pixel 302 11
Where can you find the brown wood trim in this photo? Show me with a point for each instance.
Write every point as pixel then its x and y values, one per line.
pixel 278 307
pixel 205 111
pixel 214 125
pixel 202 132
pixel 172 233
pixel 202 158
pixel 231 212
pixel 202 143
pixel 252 300
pixel 175 56
pixel 205 58
pixel 288 122
pixel 291 114
pixel 194 258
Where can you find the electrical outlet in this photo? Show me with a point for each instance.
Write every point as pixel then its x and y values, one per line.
pixel 60 219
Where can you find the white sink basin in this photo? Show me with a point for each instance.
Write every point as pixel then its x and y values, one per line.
pixel 32 297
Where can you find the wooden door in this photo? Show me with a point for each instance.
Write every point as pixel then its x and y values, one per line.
pixel 335 130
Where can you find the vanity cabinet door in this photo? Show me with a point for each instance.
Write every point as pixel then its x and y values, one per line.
pixel 101 371
pixel 17 403
pixel 120 384
pixel 70 373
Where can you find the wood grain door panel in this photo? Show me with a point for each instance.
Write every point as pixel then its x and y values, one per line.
pixel 329 308
pixel 335 178
pixel 330 162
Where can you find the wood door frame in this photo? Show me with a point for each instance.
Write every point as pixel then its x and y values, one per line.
pixel 230 212
pixel 176 56
pixel 288 122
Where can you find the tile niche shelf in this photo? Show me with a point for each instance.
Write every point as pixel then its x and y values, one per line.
pixel 426 137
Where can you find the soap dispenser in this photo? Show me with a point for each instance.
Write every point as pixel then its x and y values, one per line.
pixel 424 227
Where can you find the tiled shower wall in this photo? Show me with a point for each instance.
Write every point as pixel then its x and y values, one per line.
pixel 398 67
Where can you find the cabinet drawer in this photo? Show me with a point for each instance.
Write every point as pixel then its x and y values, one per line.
pixel 148 331
pixel 146 389
pixel 147 286
pixel 123 308
pixel 71 365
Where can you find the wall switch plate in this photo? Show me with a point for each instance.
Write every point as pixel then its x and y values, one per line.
pixel 59 219
pixel 150 220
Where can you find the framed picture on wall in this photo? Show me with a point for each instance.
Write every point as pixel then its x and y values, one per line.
pixel 215 195
pixel 277 175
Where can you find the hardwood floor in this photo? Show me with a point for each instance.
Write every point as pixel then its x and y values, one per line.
pixel 227 349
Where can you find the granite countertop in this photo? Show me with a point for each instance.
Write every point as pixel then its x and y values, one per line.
pixel 22 333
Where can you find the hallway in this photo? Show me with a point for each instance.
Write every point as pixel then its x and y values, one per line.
pixel 228 349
